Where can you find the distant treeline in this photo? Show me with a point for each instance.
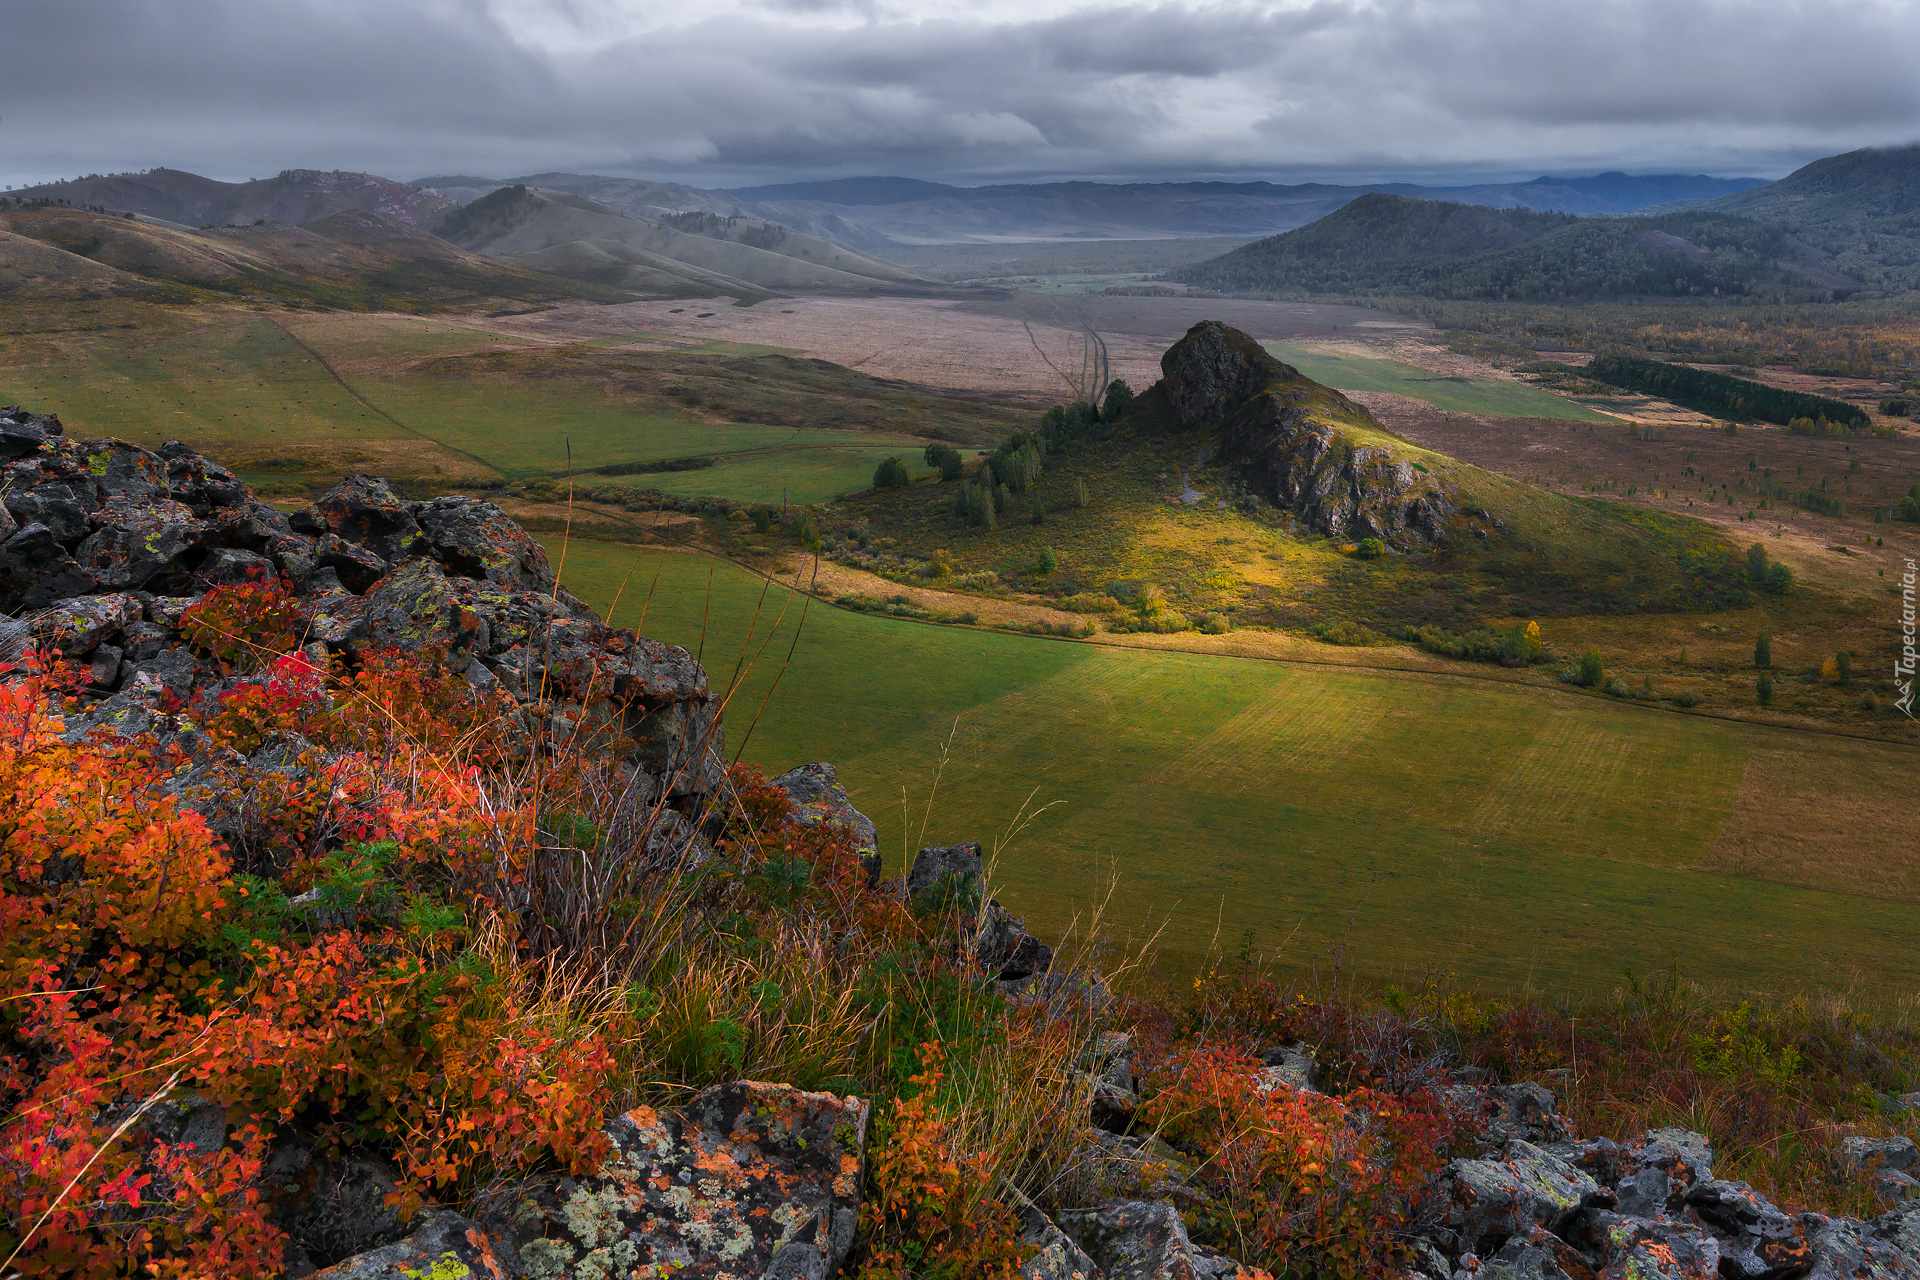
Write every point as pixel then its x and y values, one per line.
pixel 1722 396
pixel 649 468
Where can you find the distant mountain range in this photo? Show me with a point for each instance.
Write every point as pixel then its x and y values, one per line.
pixel 1844 225
pixel 875 213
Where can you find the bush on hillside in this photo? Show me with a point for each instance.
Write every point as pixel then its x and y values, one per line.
pixel 891 474
pixel 1118 401
pixel 1591 670
pixel 947 459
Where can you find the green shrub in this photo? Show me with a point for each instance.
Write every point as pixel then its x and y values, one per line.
pixel 1763 689
pixel 762 519
pixel 1591 669
pixel 1088 602
pixel 1002 499
pixel 1757 562
pixel 1763 651
pixel 891 474
pixel 1779 579
pixel 947 458
pixel 1215 624
pixel 1618 688
pixel 1037 510
pixel 1118 402
pixel 1081 497
pixel 1686 699
pixel 1370 549
pixel 1895 407
pixel 1047 562
pixel 1347 633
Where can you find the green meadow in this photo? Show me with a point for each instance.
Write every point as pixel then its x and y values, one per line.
pixel 324 399
pixel 1395 825
pixel 1455 394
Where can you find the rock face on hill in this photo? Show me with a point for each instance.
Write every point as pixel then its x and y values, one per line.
pixel 104 545
pixel 1283 430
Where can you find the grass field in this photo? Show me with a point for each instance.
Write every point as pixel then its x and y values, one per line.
pixel 1457 394
pixel 305 399
pixel 1408 823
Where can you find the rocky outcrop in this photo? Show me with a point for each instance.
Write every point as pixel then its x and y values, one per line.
pixel 106 544
pixel 1595 1209
pixel 953 877
pixel 1285 432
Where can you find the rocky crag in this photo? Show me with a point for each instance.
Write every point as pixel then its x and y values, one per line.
pixel 106 547
pixel 1295 441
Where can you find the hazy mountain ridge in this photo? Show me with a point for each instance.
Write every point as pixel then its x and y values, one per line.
pixel 354 259
pixel 695 253
pixel 875 212
pixel 292 196
pixel 1392 245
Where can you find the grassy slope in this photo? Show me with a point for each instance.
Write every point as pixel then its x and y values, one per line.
pixel 1457 395
pixel 252 389
pixel 1557 556
pixel 1422 823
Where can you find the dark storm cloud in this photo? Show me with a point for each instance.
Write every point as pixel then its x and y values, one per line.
pixel 785 88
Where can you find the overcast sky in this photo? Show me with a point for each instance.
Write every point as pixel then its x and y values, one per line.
pixel 730 92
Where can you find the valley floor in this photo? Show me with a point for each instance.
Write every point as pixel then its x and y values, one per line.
pixel 1397 825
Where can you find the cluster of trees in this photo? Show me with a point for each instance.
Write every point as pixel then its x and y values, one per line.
pixel 1015 467
pixel 1769 575
pixel 1720 394
pixel 1910 505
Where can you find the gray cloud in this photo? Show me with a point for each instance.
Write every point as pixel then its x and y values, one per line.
pixel 775 89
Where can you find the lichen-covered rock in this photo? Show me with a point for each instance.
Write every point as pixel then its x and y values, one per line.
pixel 819 800
pixel 958 865
pixel 443 1246
pixel 1054 1256
pixel 1484 1203
pixel 1844 1249
pixel 1646 1249
pixel 747 1181
pixel 1867 1155
pixel 364 512
pixel 1659 1168
pixel 1133 1240
pixel 1289 1067
pixel 1539 1255
pixel 88 525
pixel 1757 1240
pixel 476 539
pixel 1284 431
pixel 1525 1111
pixel 1900 1227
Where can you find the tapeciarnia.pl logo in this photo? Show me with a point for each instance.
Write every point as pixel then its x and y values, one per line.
pixel 1904 664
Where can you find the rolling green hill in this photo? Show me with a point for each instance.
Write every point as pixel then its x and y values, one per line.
pixel 1389 245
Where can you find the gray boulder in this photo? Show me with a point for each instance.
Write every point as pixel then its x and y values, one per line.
pixel 441 1244
pixel 957 865
pixel 1133 1240
pixel 1658 1170
pixel 1054 1257
pixel 1757 1240
pixel 819 800
pixel 1844 1249
pixel 1481 1204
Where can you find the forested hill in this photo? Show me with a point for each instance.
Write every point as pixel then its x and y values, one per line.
pixel 1391 245
pixel 1862 208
